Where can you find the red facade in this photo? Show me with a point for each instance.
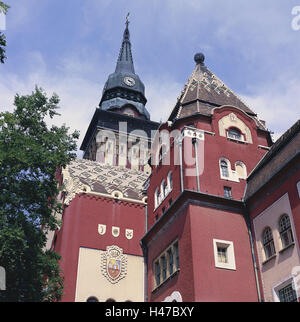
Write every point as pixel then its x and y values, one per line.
pixel 195 218
pixel 80 229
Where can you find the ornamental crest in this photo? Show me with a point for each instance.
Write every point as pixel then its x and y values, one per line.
pixel 129 233
pixel 114 264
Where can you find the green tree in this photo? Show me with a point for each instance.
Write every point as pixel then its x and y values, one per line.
pixel 3 9
pixel 30 154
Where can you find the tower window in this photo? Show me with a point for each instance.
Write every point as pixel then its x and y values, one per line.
pixel 222 254
pixel 227 192
pixel 166 265
pixel 170 261
pixel 157 273
pixel 241 170
pixel 224 169
pixel 170 181
pixel 235 134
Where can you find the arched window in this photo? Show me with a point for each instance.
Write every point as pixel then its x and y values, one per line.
pixel 268 243
pixel 234 133
pixel 285 230
pixel 224 168
pixel 110 300
pixel 156 198
pixel 170 181
pixel 92 299
pixel 165 188
pixel 241 170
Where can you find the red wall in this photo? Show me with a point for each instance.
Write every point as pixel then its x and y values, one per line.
pixel 217 284
pixel 183 281
pixel 196 226
pixel 198 279
pixel 80 229
pixel 215 147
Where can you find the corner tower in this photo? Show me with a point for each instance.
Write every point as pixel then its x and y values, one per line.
pixel 198 239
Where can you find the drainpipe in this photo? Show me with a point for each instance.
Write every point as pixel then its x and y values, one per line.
pixel 145 253
pixel 247 218
pixel 181 166
pixel 195 144
pixel 146 218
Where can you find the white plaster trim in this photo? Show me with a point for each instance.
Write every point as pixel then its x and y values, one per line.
pixel 175 296
pixel 230 253
pixel 283 283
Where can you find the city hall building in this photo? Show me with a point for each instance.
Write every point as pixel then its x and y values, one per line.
pixel 201 207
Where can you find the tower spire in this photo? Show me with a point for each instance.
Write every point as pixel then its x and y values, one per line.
pixel 125 61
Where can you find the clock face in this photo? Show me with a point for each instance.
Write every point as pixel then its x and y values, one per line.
pixel 129 81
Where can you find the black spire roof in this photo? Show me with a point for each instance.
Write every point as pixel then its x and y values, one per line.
pixel 124 86
pixel 125 61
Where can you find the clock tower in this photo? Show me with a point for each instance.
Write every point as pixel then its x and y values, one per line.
pixel 121 130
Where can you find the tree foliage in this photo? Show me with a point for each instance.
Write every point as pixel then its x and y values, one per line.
pixel 3 9
pixel 30 154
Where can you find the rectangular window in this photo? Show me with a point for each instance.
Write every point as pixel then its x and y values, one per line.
pixel 176 252
pixel 222 255
pixel 170 261
pixel 164 268
pixel 287 294
pixel 166 265
pixel 157 273
pixel 227 192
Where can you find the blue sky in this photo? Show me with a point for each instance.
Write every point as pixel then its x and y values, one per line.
pixel 71 46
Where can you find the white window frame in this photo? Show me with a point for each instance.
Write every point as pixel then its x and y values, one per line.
pixel 282 284
pixel 156 198
pixel 228 168
pixel 170 186
pixel 242 164
pixel 230 254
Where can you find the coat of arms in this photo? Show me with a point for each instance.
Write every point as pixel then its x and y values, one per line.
pixel 114 264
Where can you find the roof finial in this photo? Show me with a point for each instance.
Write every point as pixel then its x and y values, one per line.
pixel 127 20
pixel 199 58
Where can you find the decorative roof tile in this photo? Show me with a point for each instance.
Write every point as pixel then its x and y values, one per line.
pixel 87 176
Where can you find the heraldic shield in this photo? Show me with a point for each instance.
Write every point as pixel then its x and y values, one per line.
pixel 114 264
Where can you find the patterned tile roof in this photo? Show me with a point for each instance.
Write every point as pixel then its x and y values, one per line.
pixel 87 176
pixel 203 92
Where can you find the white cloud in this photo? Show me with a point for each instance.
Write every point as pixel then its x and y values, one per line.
pixel 277 103
pixel 162 95
pixel 78 96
